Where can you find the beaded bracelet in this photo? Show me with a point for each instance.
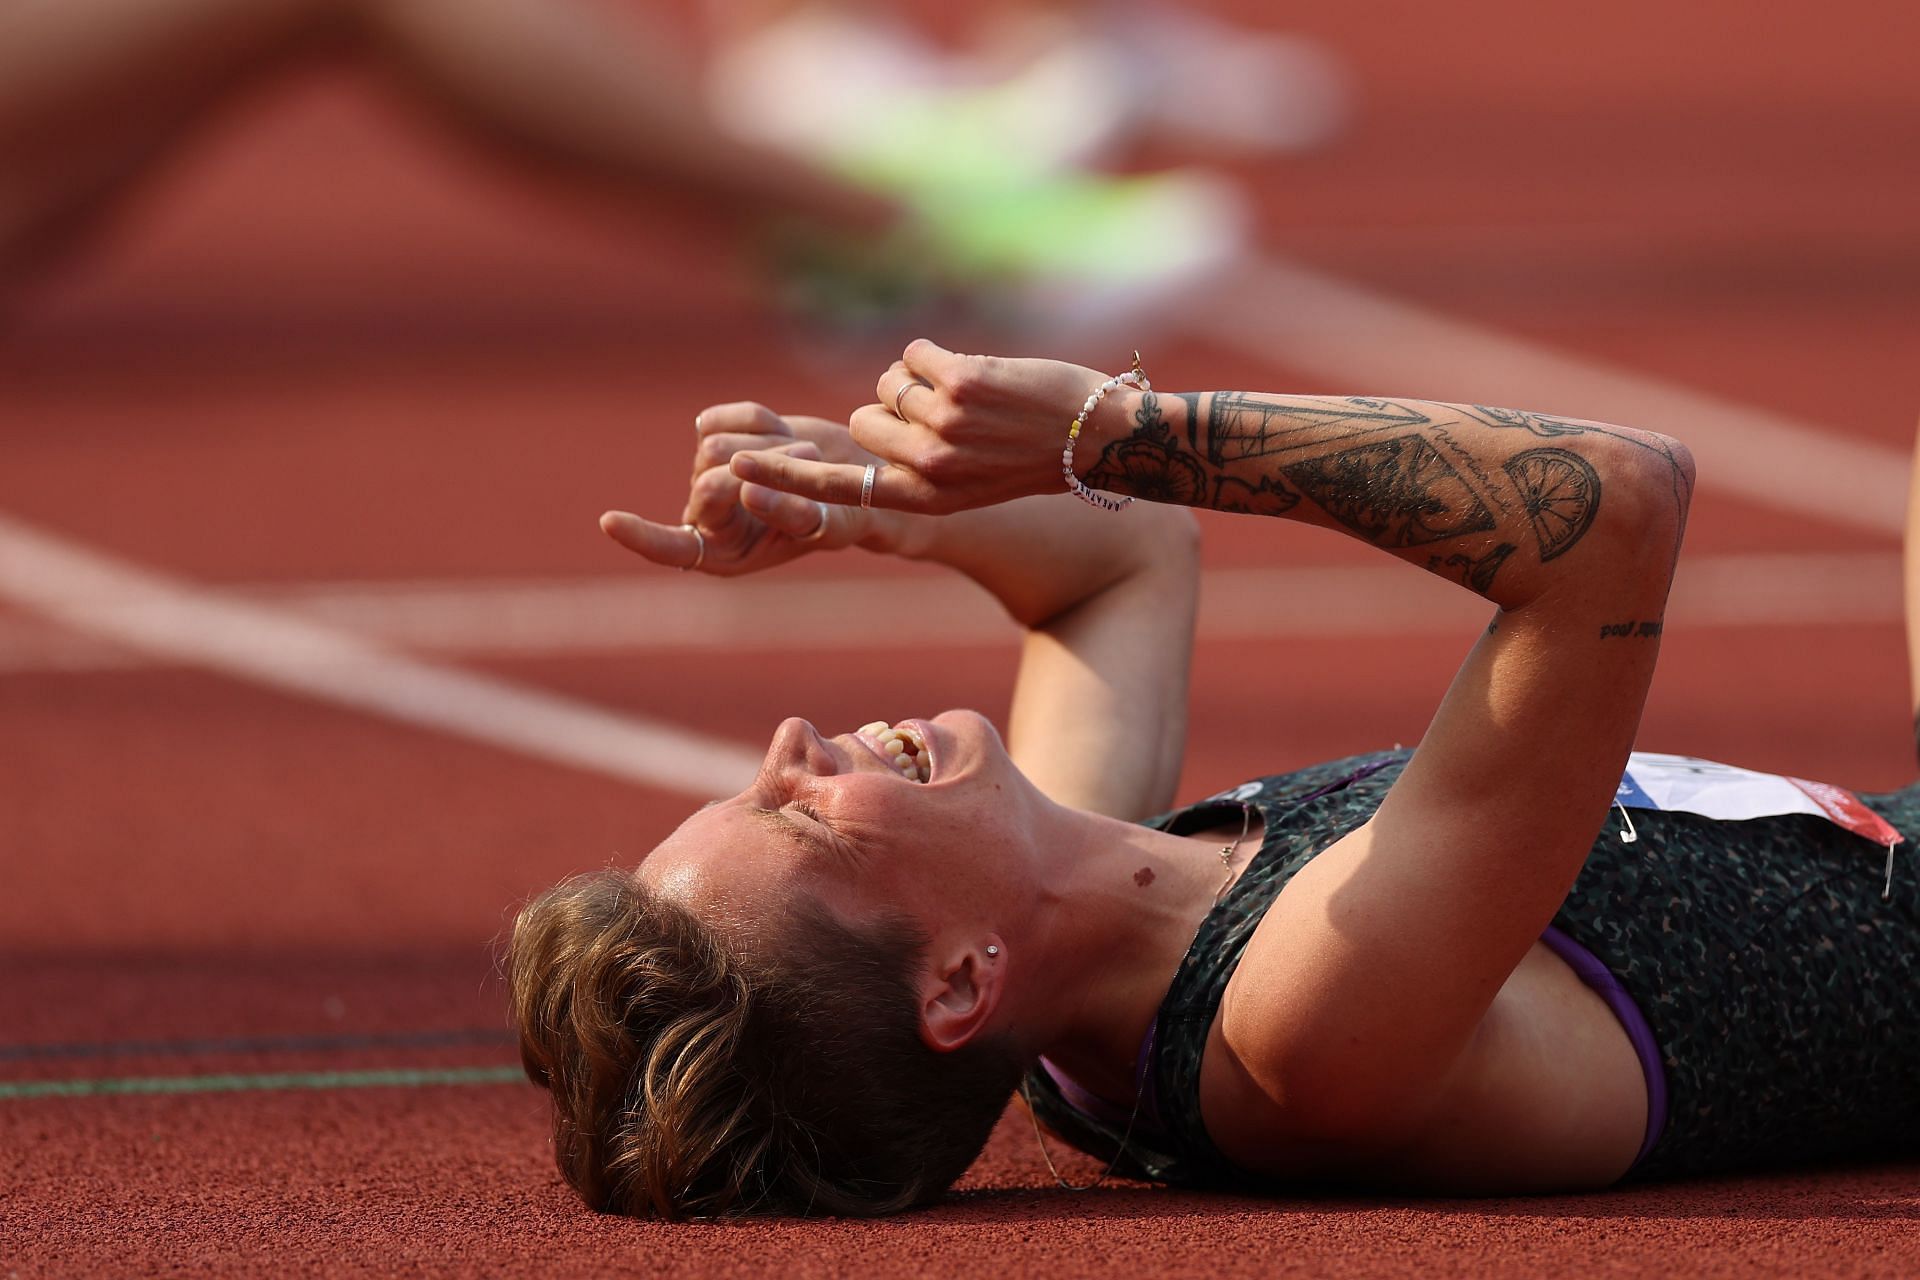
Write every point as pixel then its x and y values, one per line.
pixel 1134 377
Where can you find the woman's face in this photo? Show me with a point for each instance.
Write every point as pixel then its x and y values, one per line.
pixel 837 819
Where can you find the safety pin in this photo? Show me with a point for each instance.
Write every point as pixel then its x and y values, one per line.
pixel 1886 890
pixel 1629 835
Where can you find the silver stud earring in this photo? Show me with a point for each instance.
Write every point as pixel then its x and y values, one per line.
pixel 993 951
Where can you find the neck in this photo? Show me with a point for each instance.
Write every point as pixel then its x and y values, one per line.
pixel 1121 908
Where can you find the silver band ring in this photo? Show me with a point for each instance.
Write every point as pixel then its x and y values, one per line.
pixel 700 548
pixel 899 395
pixel 819 532
pixel 866 486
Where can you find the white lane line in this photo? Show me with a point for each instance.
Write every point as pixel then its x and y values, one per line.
pixel 150 613
pixel 612 616
pixel 653 610
pixel 1279 311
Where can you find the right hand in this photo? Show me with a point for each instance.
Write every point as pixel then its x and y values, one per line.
pixel 748 527
pixel 971 431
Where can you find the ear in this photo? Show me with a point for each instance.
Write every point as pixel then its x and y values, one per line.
pixel 960 991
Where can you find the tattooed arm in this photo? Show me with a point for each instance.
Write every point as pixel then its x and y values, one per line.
pixel 1489 498
pixel 1400 936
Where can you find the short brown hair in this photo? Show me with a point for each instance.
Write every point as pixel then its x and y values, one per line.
pixel 695 1078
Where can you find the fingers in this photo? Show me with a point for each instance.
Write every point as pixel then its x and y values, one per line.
pixel 739 416
pixel 797 517
pixel 835 483
pixel 824 432
pixel 899 388
pixel 713 504
pixel 875 429
pixel 822 481
pixel 895 374
pixel 670 545
pixel 724 429
pixel 714 450
pixel 927 359
pixel 713 500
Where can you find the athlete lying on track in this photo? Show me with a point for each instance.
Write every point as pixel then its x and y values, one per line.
pixel 1456 969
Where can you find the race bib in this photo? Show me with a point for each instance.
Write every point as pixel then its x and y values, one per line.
pixel 1712 790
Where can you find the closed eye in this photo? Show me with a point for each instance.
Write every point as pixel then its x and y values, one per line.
pixel 797 817
pixel 821 833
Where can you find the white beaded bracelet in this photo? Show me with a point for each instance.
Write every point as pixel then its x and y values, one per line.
pixel 1134 377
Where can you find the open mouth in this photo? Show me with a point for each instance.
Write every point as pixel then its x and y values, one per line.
pixel 902 746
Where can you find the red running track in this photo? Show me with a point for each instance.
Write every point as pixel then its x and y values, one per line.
pixel 326 348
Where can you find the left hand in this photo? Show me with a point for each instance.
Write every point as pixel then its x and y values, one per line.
pixel 971 431
pixel 745 528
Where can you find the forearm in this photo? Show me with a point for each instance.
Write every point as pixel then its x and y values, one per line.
pixel 1099 711
pixel 1507 504
pixel 1040 557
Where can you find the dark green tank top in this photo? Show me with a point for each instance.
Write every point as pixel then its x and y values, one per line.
pixel 1783 994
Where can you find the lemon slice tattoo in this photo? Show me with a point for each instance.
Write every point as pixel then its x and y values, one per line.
pixel 1561 492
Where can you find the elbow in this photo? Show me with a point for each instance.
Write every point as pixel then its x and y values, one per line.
pixel 1649 486
pixel 1667 487
pixel 1637 488
pixel 1680 459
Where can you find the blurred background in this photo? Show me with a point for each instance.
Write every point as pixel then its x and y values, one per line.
pixel 328 329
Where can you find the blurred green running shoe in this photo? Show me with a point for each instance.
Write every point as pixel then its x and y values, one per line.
pixel 1080 253
pixel 1005 229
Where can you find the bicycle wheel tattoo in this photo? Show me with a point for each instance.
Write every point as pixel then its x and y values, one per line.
pixel 1561 491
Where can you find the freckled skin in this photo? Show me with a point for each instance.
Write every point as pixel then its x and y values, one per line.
pixel 1143 877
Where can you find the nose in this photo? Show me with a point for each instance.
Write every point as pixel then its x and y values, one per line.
pixel 798 745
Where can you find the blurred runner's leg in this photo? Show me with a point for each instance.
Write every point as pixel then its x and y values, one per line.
pixel 92 93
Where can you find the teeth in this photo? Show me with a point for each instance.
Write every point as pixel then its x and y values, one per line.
pixel 903 745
